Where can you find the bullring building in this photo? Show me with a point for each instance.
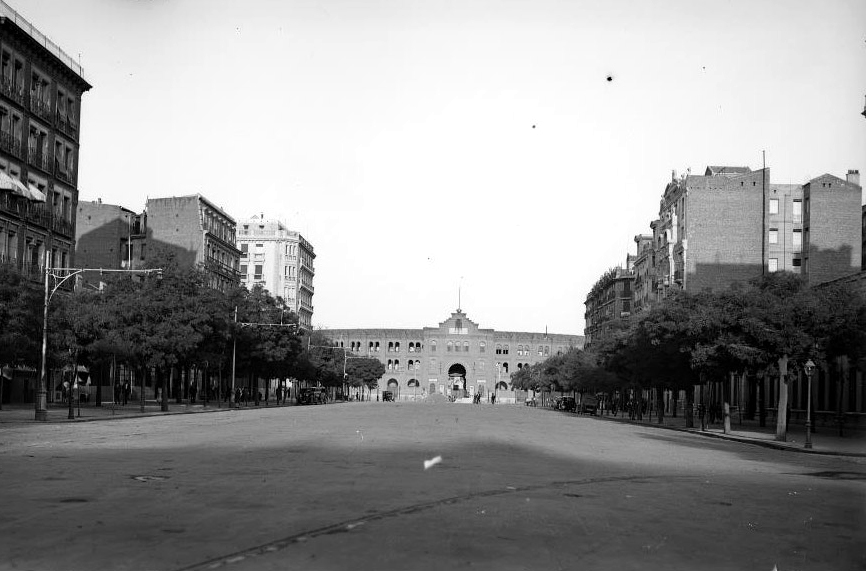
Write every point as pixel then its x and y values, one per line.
pixel 457 358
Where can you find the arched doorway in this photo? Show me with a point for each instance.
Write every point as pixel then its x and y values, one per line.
pixel 394 386
pixel 457 380
pixel 414 384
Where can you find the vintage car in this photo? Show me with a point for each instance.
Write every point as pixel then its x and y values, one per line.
pixel 588 404
pixel 315 395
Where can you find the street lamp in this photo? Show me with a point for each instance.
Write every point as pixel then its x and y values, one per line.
pixel 809 368
pixel 61 276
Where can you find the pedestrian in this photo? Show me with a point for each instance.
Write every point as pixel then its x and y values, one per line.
pixel 266 397
pixel 493 399
pixel 126 390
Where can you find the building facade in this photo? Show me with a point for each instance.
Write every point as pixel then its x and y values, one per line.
pixel 280 260
pixel 732 224
pixel 456 358
pixel 198 232
pixel 609 303
pixel 40 105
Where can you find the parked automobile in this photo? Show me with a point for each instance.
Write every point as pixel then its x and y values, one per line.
pixel 588 404
pixel 387 396
pixel 568 404
pixel 530 401
pixel 314 395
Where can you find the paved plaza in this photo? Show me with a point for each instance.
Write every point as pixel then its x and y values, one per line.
pixel 416 486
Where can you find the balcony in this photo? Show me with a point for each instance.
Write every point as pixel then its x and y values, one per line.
pixel 63 173
pixel 8 88
pixel 215 266
pixel 10 144
pixel 40 108
pixel 66 125
pixel 39 160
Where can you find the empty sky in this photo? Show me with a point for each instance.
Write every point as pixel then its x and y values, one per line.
pixel 424 146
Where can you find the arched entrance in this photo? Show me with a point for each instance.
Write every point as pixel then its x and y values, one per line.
pixel 457 380
pixel 414 384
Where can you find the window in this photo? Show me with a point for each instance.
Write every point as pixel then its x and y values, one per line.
pixel 505 350
pixel 774 236
pixel 798 211
pixel 498 349
pixel 773 265
pixel 397 347
pixel 774 206
pixel 257 271
pixel 482 347
pixel 798 240
pixel 243 269
pixel 466 346
pixel 245 249
pixel 450 346
pixel 433 346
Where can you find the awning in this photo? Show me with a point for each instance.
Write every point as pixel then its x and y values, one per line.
pixel 13 185
pixel 36 195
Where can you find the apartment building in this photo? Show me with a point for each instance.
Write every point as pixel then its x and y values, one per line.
pixel 732 224
pixel 40 106
pixel 198 232
pixel 456 358
pixel 281 261
pixel 609 302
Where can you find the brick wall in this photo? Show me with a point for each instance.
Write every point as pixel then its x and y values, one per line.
pixel 834 228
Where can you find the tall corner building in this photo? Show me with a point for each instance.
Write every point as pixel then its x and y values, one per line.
pixel 40 107
pixel 281 261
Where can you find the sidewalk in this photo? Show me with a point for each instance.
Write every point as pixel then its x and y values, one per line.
pixel 58 413
pixel 825 439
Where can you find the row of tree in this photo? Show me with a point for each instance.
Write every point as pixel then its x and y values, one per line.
pixel 160 323
pixel 771 327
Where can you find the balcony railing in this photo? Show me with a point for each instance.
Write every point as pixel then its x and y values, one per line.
pixel 66 125
pixel 40 108
pixel 40 160
pixel 9 89
pixel 225 270
pixel 63 173
pixel 10 144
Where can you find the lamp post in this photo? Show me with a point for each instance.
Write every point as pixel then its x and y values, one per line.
pixel 809 368
pixel 61 275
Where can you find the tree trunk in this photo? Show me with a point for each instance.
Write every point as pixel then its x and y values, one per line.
pixel 660 403
pixel 781 411
pixel 689 408
pixel 727 402
pixel 166 383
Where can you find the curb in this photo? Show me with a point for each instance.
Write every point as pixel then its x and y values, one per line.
pixel 742 439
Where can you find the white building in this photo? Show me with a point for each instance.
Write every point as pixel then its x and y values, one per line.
pixel 281 260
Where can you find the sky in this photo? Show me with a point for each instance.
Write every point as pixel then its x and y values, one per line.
pixel 499 155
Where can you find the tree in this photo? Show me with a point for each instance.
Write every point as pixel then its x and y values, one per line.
pixel 21 319
pixel 364 371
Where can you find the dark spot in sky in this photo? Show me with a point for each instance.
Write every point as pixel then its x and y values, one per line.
pixel 610 78
pixel 533 126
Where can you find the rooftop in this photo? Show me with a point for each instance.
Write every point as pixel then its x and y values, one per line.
pixel 8 13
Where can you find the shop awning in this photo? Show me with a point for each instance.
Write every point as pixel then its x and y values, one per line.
pixel 36 195
pixel 13 185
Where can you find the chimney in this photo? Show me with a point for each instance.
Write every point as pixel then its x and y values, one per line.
pixel 853 177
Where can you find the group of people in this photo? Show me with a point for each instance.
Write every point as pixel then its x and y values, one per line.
pixel 122 392
pixel 244 395
pixel 477 398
